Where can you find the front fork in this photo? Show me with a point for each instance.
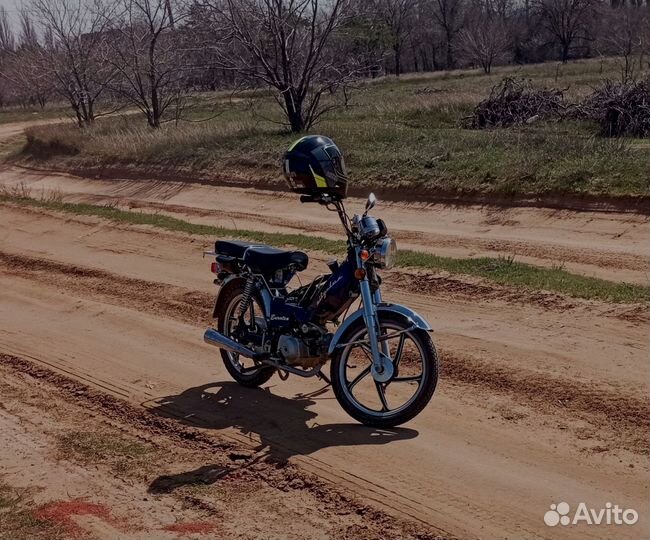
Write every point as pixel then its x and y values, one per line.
pixel 382 365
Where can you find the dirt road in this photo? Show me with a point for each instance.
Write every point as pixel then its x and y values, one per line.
pixel 538 403
pixel 604 244
pixel 77 463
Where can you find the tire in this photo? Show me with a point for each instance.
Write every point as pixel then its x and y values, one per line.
pixel 414 406
pixel 255 378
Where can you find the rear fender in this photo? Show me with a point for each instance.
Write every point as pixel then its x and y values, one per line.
pixel 238 282
pixel 409 316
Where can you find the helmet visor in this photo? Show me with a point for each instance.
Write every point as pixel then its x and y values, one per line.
pixel 337 161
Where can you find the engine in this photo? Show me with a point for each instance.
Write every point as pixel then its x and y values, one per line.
pixel 306 348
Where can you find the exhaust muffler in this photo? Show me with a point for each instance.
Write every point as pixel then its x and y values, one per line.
pixel 217 339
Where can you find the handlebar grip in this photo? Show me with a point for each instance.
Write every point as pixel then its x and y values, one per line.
pixel 306 199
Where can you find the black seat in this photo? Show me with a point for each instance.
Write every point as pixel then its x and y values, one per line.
pixel 265 259
pixel 234 248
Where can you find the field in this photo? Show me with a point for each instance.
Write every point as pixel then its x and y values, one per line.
pixel 398 135
pixel 117 421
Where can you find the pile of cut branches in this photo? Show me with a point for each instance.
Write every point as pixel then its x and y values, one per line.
pixel 514 101
pixel 621 109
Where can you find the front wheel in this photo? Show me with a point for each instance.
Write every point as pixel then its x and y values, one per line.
pixel 414 380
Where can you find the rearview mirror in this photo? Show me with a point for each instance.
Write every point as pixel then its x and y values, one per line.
pixel 370 203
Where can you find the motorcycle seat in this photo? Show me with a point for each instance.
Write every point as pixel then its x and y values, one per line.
pixel 265 259
pixel 234 248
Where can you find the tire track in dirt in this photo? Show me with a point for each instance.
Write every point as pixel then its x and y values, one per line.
pixel 624 415
pixel 239 464
pixel 432 285
pixel 611 246
pixel 429 283
pixel 541 250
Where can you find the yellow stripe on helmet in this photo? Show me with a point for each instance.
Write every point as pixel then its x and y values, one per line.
pixel 320 181
pixel 296 143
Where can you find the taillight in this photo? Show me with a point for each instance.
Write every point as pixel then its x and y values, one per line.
pixel 214 268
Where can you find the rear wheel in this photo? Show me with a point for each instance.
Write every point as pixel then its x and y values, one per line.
pixel 406 393
pixel 245 371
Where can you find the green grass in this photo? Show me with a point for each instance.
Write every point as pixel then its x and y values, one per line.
pixel 502 271
pixel 397 135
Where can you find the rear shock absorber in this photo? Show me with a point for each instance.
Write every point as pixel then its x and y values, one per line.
pixel 246 298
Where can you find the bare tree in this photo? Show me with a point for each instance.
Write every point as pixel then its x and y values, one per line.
pixel 25 78
pixel 484 41
pixel 396 15
pixel 283 44
pixel 498 9
pixel 623 35
pixel 7 50
pixel 74 38
pixel 448 16
pixel 567 21
pixel 147 54
pixel 28 34
pixel 7 36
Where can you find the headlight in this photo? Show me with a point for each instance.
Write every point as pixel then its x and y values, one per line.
pixel 385 253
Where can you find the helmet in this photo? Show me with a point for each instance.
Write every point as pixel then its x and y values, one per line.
pixel 314 166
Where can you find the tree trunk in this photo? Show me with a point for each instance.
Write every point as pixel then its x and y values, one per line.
pixel 450 52
pixel 398 59
pixel 293 105
pixel 565 52
pixel 154 117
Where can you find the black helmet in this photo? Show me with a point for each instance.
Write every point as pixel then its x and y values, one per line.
pixel 314 165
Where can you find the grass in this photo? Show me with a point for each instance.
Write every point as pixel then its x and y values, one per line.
pixel 91 447
pixel 17 519
pixel 397 135
pixel 9 115
pixel 503 271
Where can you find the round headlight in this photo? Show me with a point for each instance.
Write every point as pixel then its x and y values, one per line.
pixel 386 253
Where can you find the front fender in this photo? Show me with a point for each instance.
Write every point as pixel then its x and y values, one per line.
pixel 407 313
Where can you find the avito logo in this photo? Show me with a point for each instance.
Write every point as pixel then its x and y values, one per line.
pixel 612 514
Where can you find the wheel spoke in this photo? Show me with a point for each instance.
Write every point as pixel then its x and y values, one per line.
pixel 407 379
pixel 366 350
pixel 399 351
pixel 382 396
pixel 251 369
pixel 358 378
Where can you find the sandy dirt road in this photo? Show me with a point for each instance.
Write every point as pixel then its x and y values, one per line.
pixel 604 244
pixel 77 463
pixel 538 404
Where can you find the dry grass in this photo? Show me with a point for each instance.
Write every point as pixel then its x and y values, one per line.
pixel 396 134
pixel 17 519
pixel 121 454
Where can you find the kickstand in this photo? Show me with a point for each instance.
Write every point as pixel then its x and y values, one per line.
pixel 324 377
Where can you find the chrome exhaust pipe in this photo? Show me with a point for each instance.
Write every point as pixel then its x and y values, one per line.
pixel 217 339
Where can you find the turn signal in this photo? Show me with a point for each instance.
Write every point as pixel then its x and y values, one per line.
pixel 360 274
pixel 364 255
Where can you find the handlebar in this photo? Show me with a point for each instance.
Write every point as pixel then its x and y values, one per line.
pixel 320 199
pixel 327 200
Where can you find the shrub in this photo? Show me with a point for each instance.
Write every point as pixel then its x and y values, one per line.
pixel 44 149
pixel 515 101
pixel 621 109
